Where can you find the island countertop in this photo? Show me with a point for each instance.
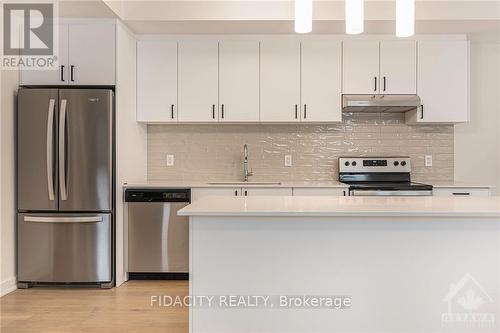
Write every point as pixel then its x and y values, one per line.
pixel 297 206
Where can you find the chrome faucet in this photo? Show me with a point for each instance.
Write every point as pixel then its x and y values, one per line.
pixel 246 173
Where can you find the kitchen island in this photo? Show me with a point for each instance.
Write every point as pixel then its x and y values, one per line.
pixel 344 264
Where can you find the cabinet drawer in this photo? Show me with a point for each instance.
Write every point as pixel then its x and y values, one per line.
pixel 463 192
pixel 278 191
pixel 326 191
pixel 197 193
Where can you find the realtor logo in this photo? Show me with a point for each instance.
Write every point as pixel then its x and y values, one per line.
pixel 30 39
pixel 467 301
pixel 28 29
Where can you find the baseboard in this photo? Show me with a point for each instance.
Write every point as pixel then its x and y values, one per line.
pixel 8 286
pixel 121 281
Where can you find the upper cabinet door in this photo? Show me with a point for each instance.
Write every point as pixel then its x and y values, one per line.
pixel 321 81
pixel 156 81
pixel 58 76
pixel 92 53
pixel 198 81
pixel 443 81
pixel 239 81
pixel 361 67
pixel 280 80
pixel 398 67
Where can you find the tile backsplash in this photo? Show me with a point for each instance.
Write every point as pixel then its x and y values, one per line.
pixel 215 152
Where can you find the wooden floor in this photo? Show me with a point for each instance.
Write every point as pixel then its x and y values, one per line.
pixel 126 309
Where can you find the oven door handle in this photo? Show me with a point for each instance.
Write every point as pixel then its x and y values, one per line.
pixel 366 193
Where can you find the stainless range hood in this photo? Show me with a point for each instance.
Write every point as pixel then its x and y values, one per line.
pixel 380 103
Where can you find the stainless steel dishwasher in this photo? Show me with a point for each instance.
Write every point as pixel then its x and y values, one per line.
pixel 158 239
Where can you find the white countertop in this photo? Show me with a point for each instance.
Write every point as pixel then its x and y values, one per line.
pixel 344 206
pixel 297 184
pixel 195 184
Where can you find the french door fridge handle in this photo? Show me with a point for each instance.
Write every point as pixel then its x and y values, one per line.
pixel 62 150
pixel 79 219
pixel 50 148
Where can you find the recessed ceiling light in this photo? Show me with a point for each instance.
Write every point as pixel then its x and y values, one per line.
pixel 354 16
pixel 405 18
pixel 303 16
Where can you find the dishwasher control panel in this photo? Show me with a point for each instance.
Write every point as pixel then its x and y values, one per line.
pixel 158 195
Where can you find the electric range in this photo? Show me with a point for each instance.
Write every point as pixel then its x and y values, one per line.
pixel 380 176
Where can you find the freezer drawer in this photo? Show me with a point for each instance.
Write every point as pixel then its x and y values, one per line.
pixel 64 248
pixel 158 238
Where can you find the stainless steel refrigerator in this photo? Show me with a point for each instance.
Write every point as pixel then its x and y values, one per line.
pixel 65 186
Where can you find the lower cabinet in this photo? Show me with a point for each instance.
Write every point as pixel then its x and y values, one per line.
pixel 253 191
pixel 320 191
pixel 200 192
pixel 462 192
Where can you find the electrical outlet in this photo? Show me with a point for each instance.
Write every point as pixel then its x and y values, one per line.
pixel 288 160
pixel 428 160
pixel 170 160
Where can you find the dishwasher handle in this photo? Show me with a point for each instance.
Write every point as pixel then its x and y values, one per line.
pixel 158 195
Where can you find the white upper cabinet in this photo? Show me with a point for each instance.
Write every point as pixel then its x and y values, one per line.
pixel 239 81
pixel 385 67
pixel 361 67
pixel 92 53
pixel 398 67
pixel 286 80
pixel 198 81
pixel 59 75
pixel 442 82
pixel 321 81
pixel 86 54
pixel 280 80
pixel 156 81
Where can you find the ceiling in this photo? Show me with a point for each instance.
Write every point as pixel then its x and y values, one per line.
pixel 480 19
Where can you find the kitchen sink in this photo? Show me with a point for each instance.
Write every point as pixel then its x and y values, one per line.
pixel 244 183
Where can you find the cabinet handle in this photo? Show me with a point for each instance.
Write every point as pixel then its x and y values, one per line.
pixel 296 111
pixel 385 82
pixel 246 193
pixel 71 73
pixel 375 83
pixel 62 73
pixel 213 111
pixel 172 111
pixel 235 193
pixel 222 110
pixel 461 193
pixel 422 111
pixel 305 111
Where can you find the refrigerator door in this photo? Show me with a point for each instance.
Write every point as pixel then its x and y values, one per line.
pixel 64 248
pixel 37 118
pixel 85 149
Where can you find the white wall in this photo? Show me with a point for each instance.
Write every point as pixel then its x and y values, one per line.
pixel 131 138
pixel 9 82
pixel 477 144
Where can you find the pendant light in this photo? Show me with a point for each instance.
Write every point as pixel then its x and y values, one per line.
pixel 405 18
pixel 354 16
pixel 303 16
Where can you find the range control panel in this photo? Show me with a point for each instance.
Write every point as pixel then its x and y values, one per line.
pixel 375 164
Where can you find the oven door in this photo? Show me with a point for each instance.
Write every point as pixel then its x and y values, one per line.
pixel 395 193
